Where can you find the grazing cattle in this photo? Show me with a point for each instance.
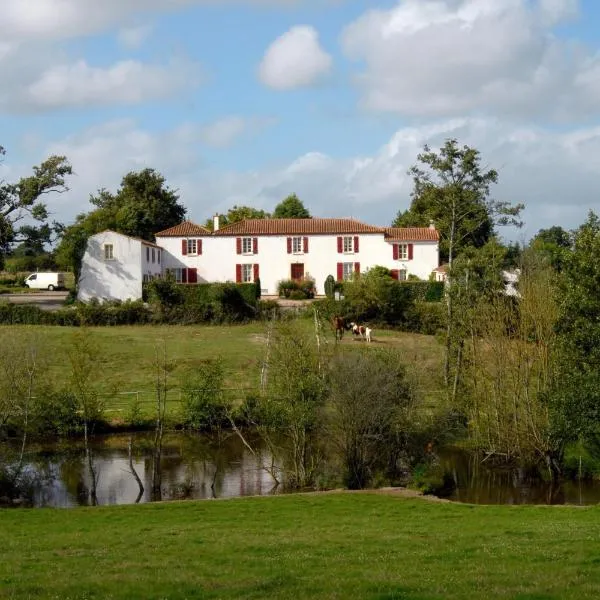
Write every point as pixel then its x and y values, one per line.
pixel 368 334
pixel 338 324
pixel 358 330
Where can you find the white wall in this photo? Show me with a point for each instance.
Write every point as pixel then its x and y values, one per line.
pixel 219 258
pixel 116 279
pixel 151 268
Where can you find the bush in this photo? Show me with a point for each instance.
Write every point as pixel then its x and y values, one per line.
pixel 56 413
pixel 269 309
pixel 204 405
pixel 296 289
pixel 425 317
pixel 330 286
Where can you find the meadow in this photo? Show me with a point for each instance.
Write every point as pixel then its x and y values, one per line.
pixel 126 362
pixel 335 545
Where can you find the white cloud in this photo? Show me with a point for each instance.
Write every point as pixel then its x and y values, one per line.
pixel 62 19
pixel 226 131
pixel 443 57
pixel 126 82
pixel 554 174
pixel 133 37
pixel 294 60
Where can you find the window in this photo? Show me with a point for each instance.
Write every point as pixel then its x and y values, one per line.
pixel 32 277
pixel 348 244
pixel 153 255
pixel 402 251
pixel 108 252
pixel 348 270
pixel 297 245
pixel 176 274
pixel 147 254
pixel 192 247
pixel 145 278
pixel 402 275
pixel 247 245
pixel 158 253
pixel 246 273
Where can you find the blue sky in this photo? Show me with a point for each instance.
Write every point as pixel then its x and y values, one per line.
pixel 244 102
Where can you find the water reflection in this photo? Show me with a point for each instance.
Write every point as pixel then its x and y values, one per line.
pixel 201 466
pixel 477 482
pixel 192 466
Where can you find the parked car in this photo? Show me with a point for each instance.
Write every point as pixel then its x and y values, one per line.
pixel 46 281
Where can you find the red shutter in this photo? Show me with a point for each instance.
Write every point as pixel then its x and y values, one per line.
pixel 238 245
pixel 340 271
pixel 256 275
pixel 305 245
pixel 340 245
pixel 410 251
pixel 238 273
pixel 183 275
pixel 184 247
pixel 255 246
pixel 199 246
pixel 355 243
pixel 289 245
pixel 395 251
pixel 192 275
pixel 357 268
pixel 395 274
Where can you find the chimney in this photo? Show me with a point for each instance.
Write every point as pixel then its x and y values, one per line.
pixel 216 222
pixel 431 224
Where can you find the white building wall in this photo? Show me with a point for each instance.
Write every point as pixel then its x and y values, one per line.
pixel 152 259
pixel 119 278
pixel 219 258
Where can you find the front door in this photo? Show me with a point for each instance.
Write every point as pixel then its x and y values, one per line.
pixel 298 271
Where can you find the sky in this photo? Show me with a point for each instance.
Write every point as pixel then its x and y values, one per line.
pixel 247 101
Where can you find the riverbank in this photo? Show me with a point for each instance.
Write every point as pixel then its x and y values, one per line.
pixel 350 545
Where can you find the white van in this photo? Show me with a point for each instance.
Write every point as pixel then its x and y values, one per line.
pixel 46 281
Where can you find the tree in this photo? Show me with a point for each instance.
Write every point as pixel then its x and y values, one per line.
pixel 553 244
pixel 363 420
pixel 22 201
pixel 452 190
pixel 291 208
pixel 142 206
pixel 237 213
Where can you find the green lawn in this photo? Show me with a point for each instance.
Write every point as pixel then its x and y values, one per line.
pixel 344 545
pixel 127 354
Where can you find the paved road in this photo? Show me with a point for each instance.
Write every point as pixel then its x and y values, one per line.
pixel 43 299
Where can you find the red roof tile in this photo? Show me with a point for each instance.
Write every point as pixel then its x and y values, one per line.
pixel 297 226
pixel 412 234
pixel 184 229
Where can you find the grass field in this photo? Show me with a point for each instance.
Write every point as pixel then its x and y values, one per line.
pixel 127 354
pixel 346 545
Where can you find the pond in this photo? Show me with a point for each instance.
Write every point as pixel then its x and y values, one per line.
pixel 195 466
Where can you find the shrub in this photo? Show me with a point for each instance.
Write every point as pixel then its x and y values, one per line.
pixel 268 309
pixel 204 405
pixel 56 412
pixel 425 317
pixel 296 289
pixel 330 286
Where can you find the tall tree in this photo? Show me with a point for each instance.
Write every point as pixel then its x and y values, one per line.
pixel 142 206
pixel 237 213
pixel 553 244
pixel 291 208
pixel 23 214
pixel 452 190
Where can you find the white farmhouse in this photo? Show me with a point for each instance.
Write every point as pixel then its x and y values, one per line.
pixel 278 249
pixel 115 266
